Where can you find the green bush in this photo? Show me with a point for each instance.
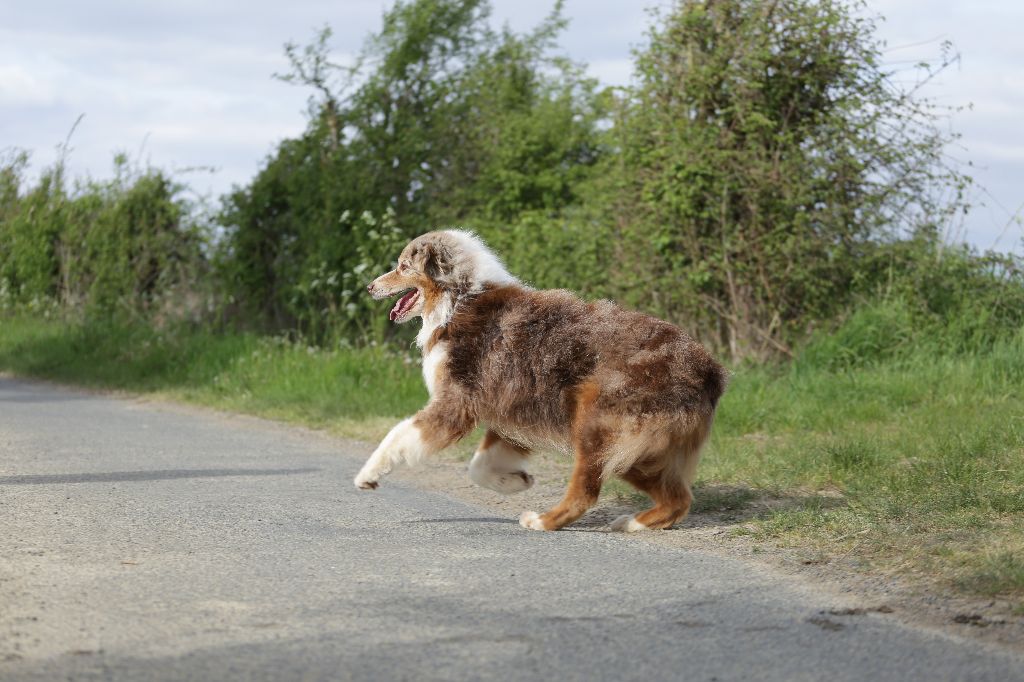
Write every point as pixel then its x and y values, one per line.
pixel 925 300
pixel 764 150
pixel 872 334
pixel 129 245
pixel 451 123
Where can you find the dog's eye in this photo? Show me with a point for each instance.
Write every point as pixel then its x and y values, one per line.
pixel 401 267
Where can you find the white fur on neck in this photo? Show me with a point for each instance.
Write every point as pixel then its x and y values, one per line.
pixel 486 267
pixel 438 317
pixel 432 360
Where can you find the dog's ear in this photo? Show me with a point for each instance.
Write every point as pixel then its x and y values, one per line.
pixel 437 261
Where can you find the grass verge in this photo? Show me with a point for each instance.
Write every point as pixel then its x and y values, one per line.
pixel 912 465
pixel 356 392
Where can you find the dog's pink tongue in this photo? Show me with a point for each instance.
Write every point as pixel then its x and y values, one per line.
pixel 402 305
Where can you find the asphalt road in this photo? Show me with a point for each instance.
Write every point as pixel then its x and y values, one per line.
pixel 149 542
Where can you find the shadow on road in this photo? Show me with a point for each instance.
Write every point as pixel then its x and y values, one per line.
pixel 135 476
pixel 475 519
pixel 715 506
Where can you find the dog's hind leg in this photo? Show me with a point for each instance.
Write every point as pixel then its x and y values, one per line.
pixel 500 465
pixel 667 476
pixel 584 487
pixel 671 496
pixel 442 422
pixel 588 437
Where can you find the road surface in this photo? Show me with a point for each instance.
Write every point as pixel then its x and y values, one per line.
pixel 143 541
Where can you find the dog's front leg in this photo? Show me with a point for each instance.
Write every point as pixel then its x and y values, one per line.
pixel 404 443
pixel 431 430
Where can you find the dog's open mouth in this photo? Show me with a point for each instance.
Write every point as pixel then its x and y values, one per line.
pixel 404 305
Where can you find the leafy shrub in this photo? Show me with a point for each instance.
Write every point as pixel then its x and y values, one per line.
pixel 127 245
pixel 447 122
pixel 764 177
pixel 872 334
pixel 919 299
pixel 764 147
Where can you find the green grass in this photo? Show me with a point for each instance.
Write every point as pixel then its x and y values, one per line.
pixel 926 453
pixel 912 462
pixel 356 391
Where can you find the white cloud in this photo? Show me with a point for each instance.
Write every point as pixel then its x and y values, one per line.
pixel 20 84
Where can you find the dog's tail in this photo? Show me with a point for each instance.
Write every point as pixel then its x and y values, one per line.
pixel 695 430
pixel 671 443
pixel 715 383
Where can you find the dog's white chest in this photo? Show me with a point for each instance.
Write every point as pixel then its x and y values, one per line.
pixel 432 363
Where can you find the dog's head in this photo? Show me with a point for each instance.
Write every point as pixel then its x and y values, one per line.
pixel 438 267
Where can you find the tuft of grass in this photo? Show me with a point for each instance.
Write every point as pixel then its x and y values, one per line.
pixel 624 493
pixel 995 573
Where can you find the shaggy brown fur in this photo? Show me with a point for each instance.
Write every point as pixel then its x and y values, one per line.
pixel 627 394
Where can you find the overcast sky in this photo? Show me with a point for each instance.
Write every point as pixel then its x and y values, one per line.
pixel 188 83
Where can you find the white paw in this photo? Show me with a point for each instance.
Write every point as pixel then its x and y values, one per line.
pixel 627 524
pixel 531 520
pixel 366 481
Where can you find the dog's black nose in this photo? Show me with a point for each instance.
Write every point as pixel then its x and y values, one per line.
pixel 369 287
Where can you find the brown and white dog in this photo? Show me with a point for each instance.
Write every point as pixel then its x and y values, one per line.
pixel 627 394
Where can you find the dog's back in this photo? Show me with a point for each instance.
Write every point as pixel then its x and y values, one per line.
pixel 529 360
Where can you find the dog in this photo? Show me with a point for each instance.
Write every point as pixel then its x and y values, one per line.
pixel 626 394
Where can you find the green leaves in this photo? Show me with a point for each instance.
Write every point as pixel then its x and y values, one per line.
pixel 761 148
pixel 442 121
pixel 125 246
